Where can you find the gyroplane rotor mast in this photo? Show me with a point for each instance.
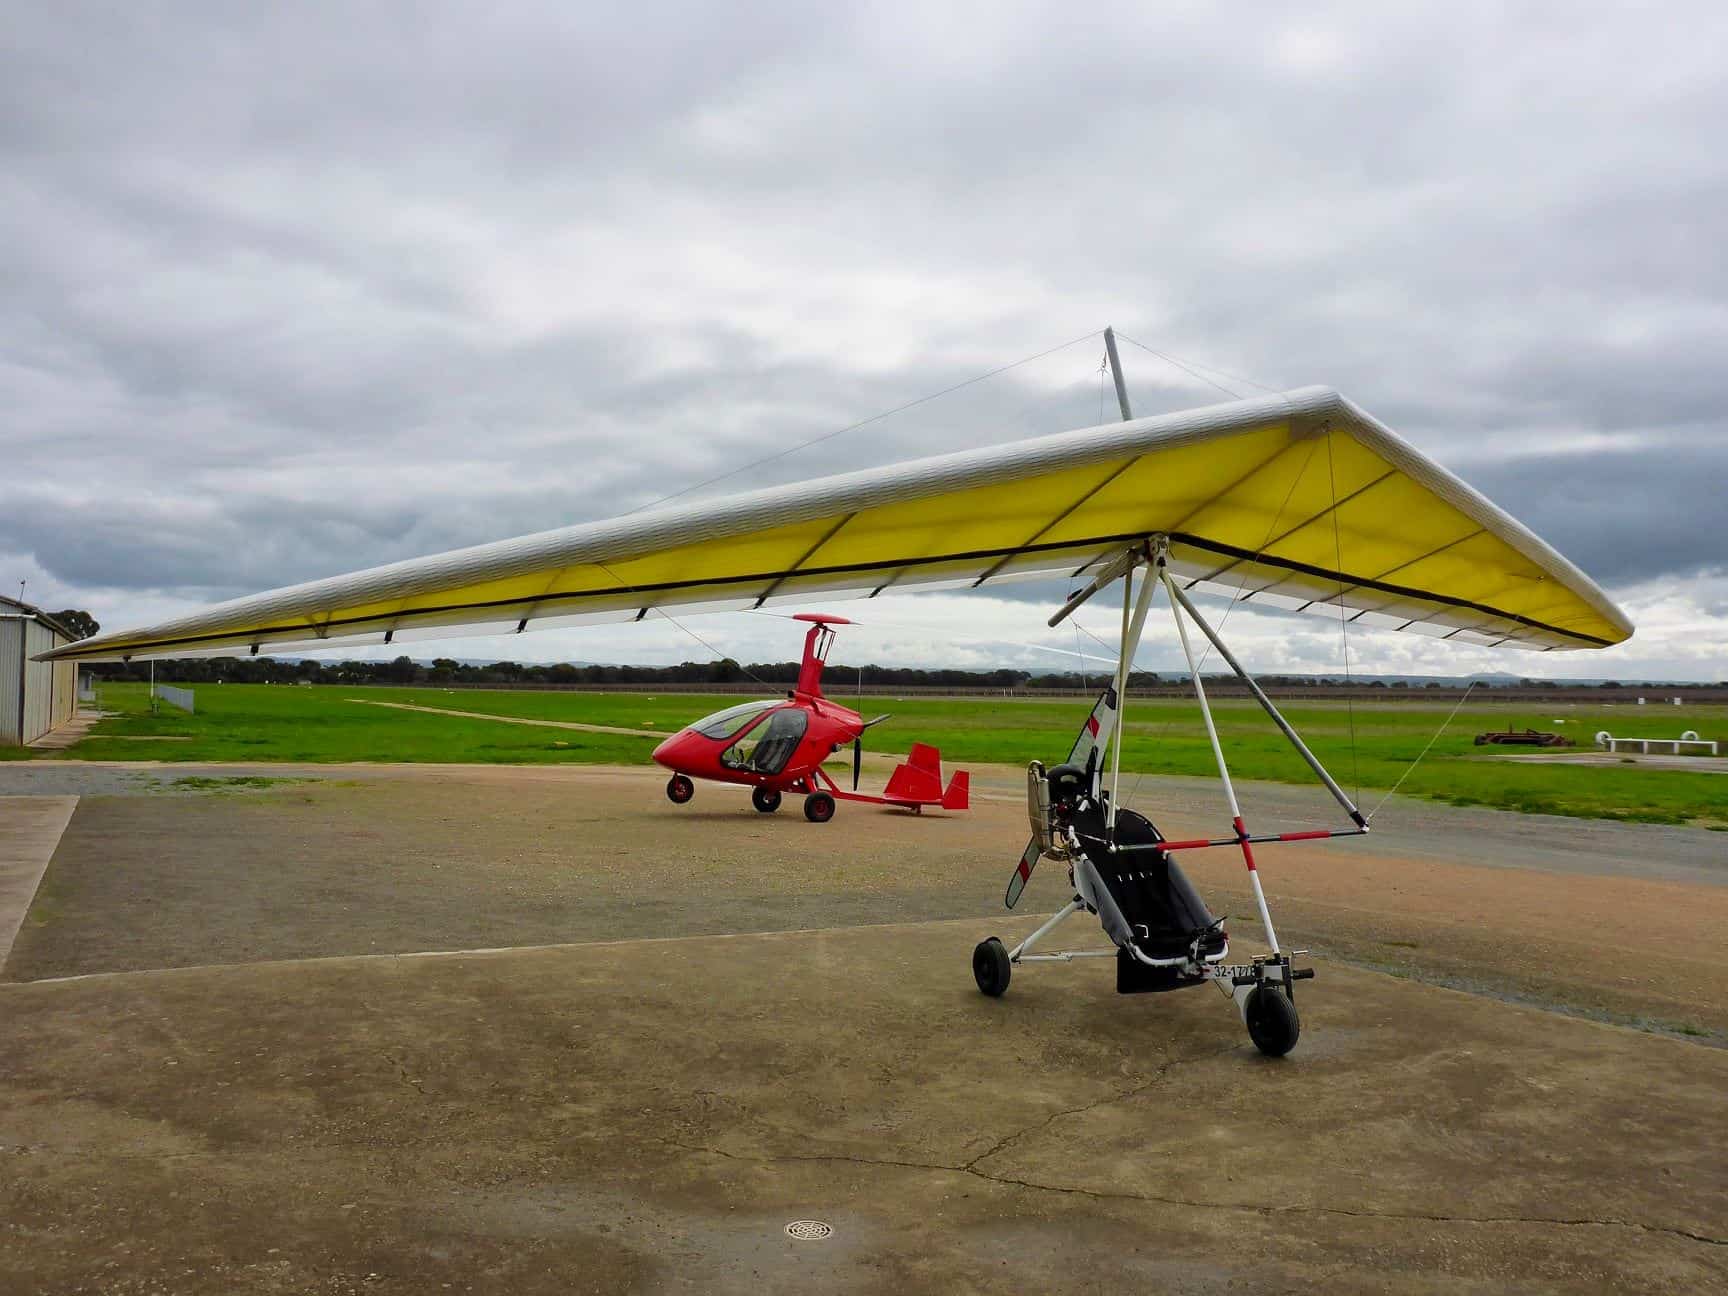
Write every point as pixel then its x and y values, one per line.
pixel 816 644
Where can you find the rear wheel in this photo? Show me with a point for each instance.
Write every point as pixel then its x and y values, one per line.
pixel 818 807
pixel 679 789
pixel 991 967
pixel 1272 1021
pixel 767 800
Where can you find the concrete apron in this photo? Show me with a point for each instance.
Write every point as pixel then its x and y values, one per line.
pixel 650 1115
pixel 30 829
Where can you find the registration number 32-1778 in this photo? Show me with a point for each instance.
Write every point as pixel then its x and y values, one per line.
pixel 1234 971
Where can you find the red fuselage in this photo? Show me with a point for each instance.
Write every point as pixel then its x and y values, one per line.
pixel 777 745
pixel 771 744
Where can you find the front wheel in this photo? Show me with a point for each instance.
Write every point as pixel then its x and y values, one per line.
pixel 679 789
pixel 991 967
pixel 1272 1021
pixel 767 800
pixel 818 807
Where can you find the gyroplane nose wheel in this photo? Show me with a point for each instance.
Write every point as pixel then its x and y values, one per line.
pixel 767 800
pixel 818 807
pixel 679 789
pixel 1272 1021
pixel 991 968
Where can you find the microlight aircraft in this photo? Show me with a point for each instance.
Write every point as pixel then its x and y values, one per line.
pixel 778 746
pixel 1297 499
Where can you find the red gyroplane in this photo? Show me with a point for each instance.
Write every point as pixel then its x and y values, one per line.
pixel 778 746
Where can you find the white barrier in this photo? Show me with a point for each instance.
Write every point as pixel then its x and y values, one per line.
pixel 179 697
pixel 1689 739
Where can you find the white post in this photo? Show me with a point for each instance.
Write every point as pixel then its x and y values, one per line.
pixel 1223 769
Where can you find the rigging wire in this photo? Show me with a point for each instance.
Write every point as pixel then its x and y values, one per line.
pixel 1190 367
pixel 1445 724
pixel 1236 596
pixel 853 427
pixel 1191 370
pixel 1343 622
pixel 665 615
pixel 817 440
pixel 874 624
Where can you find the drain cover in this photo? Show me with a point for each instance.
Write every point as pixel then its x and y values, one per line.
pixel 809 1230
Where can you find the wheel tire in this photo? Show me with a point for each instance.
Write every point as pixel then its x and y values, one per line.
pixel 991 967
pixel 818 807
pixel 1272 1021
pixel 679 789
pixel 767 800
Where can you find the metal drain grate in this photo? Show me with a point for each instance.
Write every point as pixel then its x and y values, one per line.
pixel 809 1230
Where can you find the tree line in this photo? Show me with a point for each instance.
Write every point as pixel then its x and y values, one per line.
pixel 405 670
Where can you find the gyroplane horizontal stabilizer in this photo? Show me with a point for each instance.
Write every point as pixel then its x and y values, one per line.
pixel 918 783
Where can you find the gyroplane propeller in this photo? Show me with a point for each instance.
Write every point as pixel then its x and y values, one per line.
pixel 1297 499
pixel 778 746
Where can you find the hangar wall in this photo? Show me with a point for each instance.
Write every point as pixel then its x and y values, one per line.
pixel 35 697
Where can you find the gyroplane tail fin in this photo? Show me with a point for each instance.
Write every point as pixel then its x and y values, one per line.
pixel 919 780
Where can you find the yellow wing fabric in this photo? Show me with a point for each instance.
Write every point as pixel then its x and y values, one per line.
pixel 1296 500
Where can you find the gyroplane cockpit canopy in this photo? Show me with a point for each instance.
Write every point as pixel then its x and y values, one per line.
pixel 727 723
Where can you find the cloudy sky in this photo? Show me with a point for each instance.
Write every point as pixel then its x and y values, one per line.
pixel 292 290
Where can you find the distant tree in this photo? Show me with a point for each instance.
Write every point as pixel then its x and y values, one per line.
pixel 402 670
pixel 81 624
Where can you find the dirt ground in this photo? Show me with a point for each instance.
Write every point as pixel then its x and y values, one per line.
pixel 738 1021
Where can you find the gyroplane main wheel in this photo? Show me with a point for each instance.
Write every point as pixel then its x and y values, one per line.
pixel 679 789
pixel 991 968
pixel 767 800
pixel 818 807
pixel 1272 1021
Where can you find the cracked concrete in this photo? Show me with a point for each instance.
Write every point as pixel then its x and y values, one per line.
pixel 647 1116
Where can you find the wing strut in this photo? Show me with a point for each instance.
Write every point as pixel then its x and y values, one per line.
pixel 1265 702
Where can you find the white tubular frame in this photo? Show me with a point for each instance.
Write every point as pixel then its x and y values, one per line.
pixel 1218 754
pixel 1132 628
pixel 1152 551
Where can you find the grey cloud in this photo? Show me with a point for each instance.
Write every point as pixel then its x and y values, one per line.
pixel 294 291
pixel 1624 516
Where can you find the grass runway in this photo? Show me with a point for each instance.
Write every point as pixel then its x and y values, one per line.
pixel 1368 745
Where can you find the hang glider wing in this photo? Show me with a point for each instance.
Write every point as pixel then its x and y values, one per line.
pixel 1294 500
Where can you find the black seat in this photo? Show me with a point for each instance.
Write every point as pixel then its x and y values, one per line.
pixel 1160 904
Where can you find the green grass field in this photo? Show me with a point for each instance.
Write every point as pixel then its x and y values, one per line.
pixel 285 723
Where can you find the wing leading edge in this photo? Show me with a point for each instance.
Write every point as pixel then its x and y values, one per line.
pixel 1297 500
